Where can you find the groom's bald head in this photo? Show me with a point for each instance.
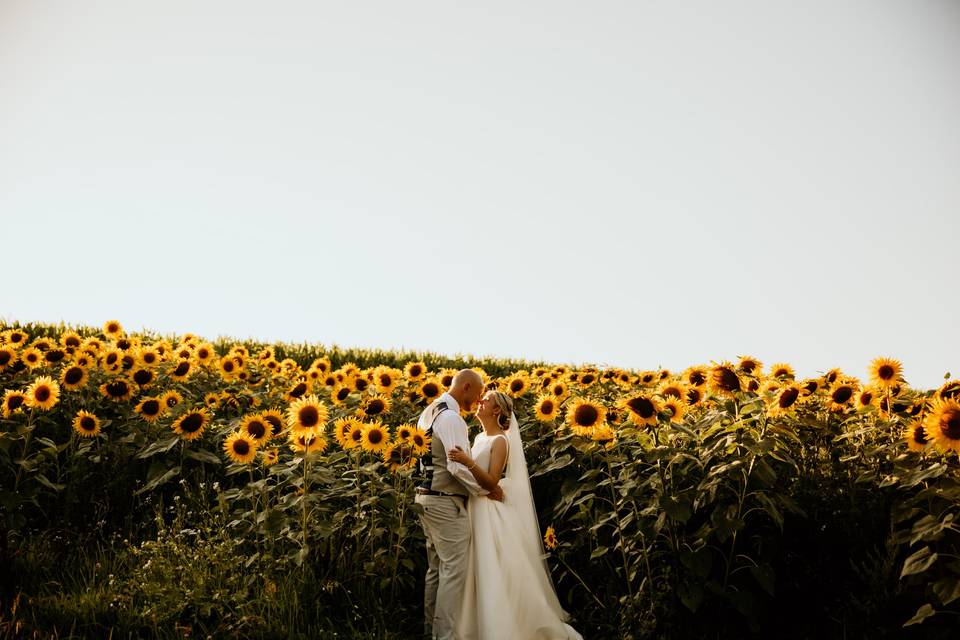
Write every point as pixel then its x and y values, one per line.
pixel 467 388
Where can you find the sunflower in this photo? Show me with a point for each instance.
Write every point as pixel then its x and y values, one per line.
pixel 211 399
pixel 885 373
pixel 148 356
pixel 255 428
pixel 674 408
pixel 321 364
pixel 275 420
pixel 151 409
pixel 915 435
pixel 430 389
pixel 832 375
pixel 339 395
pixel 374 406
pixel 84 359
pixel 696 376
pixel 782 370
pixel 647 378
pixel 112 329
pixel 942 424
pixel 588 378
pixel 550 538
pixel 516 385
pixel 354 437
pixel 694 396
pixel 143 377
pixel 299 389
pixel 118 389
pixel 446 377
pixel 307 442
pixel 641 409
pixel 86 424
pixel 73 377
pixel 32 357
pixel 204 354
pixel 420 440
pixel 584 415
pixel 386 379
pixel 547 408
pixel 16 338
pixel 112 360
pixel 358 383
pixel 170 399
pixel 749 365
pixel 191 424
pixel 8 357
pixel 415 371
pixel 403 433
pixel 676 389
pixel 181 370
pixel 376 437
pixel 269 456
pixel 866 398
pixel 53 356
pixel 399 456
pixel 841 394
pixel 809 387
pixel 228 367
pixel 950 389
pixel 724 380
pixel 559 390
pixel 13 401
pixel 341 430
pixel 240 448
pixel 306 414
pixel 784 401
pixel 43 393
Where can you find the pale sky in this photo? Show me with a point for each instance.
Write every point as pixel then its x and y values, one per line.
pixel 627 183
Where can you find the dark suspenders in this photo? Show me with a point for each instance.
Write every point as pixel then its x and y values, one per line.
pixel 426 470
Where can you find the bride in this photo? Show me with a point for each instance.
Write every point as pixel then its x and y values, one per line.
pixel 509 592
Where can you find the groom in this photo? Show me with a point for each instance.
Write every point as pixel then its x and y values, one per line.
pixel 443 496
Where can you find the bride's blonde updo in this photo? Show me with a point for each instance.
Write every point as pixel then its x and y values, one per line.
pixel 505 404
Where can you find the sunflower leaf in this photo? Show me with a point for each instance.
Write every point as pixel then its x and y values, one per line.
pixel 918 562
pixel 922 614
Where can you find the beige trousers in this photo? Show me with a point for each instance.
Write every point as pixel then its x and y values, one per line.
pixel 446 526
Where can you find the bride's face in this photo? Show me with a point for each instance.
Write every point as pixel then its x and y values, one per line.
pixel 486 407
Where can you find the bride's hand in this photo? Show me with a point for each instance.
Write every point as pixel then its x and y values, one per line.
pixel 459 455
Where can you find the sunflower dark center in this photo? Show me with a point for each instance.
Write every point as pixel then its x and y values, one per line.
pixel 842 394
pixel 375 436
pixel 727 379
pixel 299 390
pixel 309 416
pixel 275 425
pixel 516 385
pixel 697 378
pixel 748 366
pixel 228 366
pixel 73 375
pixel 693 396
pixel 547 407
pixel 5 358
pixel 586 415
pixel 643 407
pixel 14 402
pixel 241 447
pixel 42 394
pixel 385 380
pixel 361 384
pixel 375 407
pixel 150 407
pixel 55 355
pixel 920 435
pixel 952 390
pixel 587 378
pixel 192 422
pixel 885 372
pixel 866 397
pixel 415 370
pixel 950 424
pixel 788 397
pixel 203 353
pixel 672 391
pixel 256 429
pixel 430 390
pixel 142 376
pixel 87 423
pixel 343 393
pixel 182 369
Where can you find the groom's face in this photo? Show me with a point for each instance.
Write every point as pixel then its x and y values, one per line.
pixel 472 396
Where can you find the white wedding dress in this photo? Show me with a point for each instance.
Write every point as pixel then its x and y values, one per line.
pixel 509 594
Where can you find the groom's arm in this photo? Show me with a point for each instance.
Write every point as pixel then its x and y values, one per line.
pixel 452 431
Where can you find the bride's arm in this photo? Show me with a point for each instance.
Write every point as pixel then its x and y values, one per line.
pixel 498 457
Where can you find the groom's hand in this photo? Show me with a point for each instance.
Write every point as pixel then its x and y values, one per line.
pixel 496 494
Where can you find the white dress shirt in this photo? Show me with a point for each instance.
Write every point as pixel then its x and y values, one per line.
pixel 452 431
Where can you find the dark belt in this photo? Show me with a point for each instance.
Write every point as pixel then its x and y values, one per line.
pixel 430 492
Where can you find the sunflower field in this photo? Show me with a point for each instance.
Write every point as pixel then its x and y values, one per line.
pixel 169 486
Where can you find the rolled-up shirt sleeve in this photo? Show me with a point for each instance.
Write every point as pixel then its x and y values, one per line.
pixel 452 431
